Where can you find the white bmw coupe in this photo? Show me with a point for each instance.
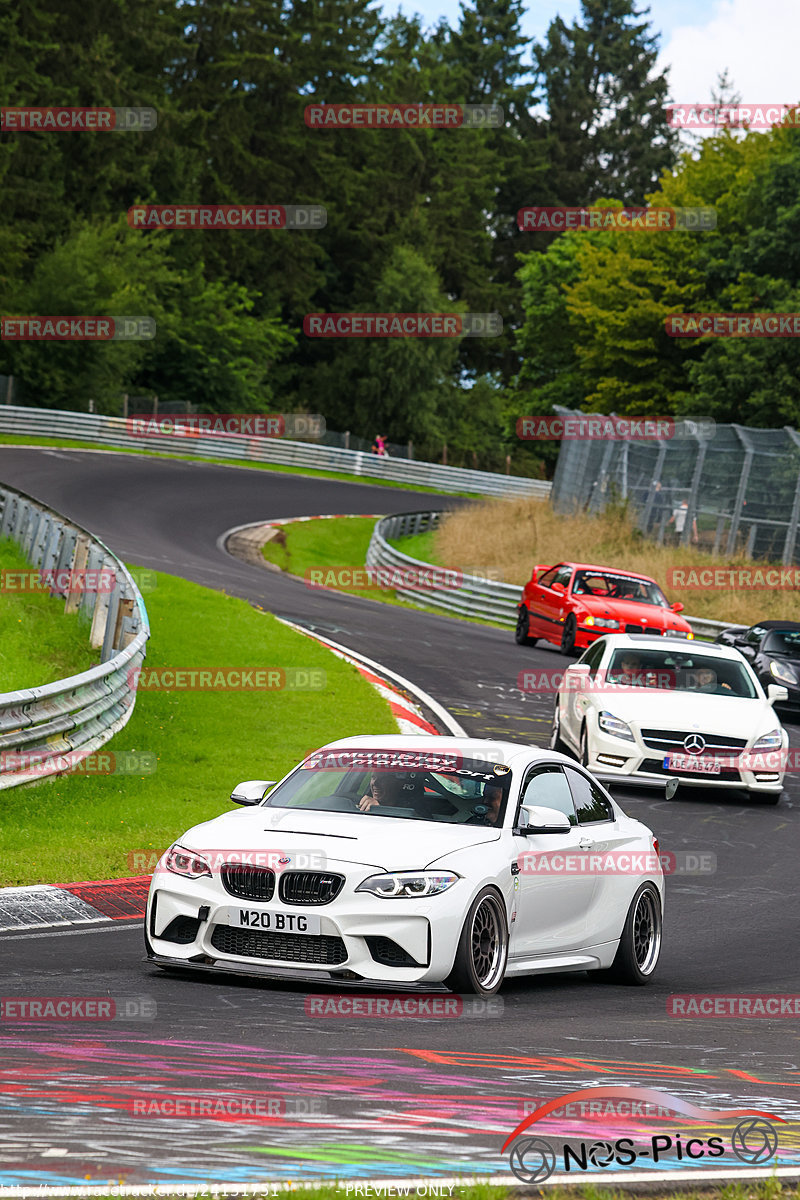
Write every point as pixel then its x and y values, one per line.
pixel 414 860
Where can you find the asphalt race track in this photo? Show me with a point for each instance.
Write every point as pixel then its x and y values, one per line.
pixel 368 1097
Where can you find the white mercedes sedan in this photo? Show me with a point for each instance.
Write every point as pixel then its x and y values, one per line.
pixel 646 709
pixel 414 860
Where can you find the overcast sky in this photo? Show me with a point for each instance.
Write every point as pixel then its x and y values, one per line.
pixel 756 40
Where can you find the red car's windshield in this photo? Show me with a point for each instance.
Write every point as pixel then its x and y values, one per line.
pixel 607 586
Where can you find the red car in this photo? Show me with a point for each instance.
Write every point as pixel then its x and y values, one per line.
pixel 573 604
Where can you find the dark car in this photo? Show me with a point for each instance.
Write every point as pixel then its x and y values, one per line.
pixel 773 650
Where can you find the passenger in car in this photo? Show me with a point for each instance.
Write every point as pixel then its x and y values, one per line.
pixel 492 800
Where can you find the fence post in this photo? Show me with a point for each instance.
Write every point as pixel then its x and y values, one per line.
pixel 742 488
pixel 791 531
pixel 691 515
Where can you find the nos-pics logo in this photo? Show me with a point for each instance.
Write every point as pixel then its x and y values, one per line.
pixel 533 1158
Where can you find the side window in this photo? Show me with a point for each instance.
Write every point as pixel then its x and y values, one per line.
pixel 564 575
pixel 547 787
pixel 590 802
pixel 548 577
pixel 592 657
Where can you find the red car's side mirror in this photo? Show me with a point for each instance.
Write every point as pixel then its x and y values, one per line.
pixel 677 606
pixel 558 587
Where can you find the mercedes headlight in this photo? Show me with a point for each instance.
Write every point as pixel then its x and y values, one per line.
pixel 405 885
pixel 783 672
pixel 187 863
pixel 769 741
pixel 614 725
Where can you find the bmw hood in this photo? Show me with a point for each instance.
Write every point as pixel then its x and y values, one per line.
pixel 643 616
pixel 313 839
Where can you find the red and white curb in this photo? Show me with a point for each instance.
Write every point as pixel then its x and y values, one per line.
pixel 46 907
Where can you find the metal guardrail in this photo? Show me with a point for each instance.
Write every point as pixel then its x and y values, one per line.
pixel 117 432
pixel 72 717
pixel 476 597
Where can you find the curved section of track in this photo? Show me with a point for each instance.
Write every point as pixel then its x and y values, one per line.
pixel 399 1097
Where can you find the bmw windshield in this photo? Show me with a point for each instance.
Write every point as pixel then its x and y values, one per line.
pixel 445 788
pixel 604 585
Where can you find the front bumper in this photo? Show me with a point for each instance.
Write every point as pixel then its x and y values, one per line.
pixel 615 758
pixel 361 936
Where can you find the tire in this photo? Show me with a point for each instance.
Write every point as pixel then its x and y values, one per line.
pixel 569 633
pixel 583 756
pixel 482 952
pixel 640 945
pixel 521 636
pixel 555 742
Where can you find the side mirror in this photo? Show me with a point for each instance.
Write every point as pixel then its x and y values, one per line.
pixel 541 820
pixel 745 649
pixel 251 791
pixel 776 692
pixel 557 587
pixel 578 669
pixel 677 607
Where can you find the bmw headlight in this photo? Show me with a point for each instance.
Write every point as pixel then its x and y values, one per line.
pixel 186 862
pixel 769 741
pixel 783 672
pixel 404 885
pixel 614 725
pixel 601 622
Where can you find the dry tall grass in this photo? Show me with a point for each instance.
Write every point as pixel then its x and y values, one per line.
pixel 506 538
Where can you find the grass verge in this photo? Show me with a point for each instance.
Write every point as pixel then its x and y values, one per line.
pixel 10 439
pixel 769 1189
pixel 79 827
pixel 507 537
pixel 339 542
pixel 38 642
